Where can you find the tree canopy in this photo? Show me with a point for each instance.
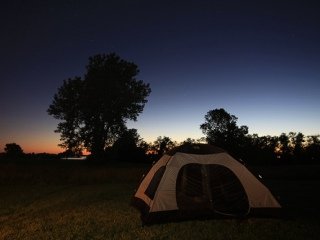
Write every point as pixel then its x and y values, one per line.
pixel 163 144
pixel 94 110
pixel 13 150
pixel 221 129
pixel 129 147
pixel 66 107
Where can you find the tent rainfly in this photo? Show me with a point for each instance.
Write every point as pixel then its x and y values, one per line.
pixel 201 181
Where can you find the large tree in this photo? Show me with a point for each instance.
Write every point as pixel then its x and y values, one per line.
pixel 221 129
pixel 95 109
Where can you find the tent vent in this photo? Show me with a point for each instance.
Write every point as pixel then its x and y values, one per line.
pixel 154 183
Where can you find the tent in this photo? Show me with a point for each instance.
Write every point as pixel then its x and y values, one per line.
pixel 201 181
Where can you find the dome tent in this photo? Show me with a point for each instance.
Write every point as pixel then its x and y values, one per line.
pixel 200 181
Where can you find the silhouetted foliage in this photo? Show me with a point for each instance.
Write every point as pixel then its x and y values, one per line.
pixel 129 147
pixel 221 130
pixel 43 156
pixel 312 149
pixel 162 145
pixel 260 149
pixel 284 146
pixel 193 141
pixel 66 107
pixel 13 151
pixel 95 109
pixel 297 141
pixel 189 141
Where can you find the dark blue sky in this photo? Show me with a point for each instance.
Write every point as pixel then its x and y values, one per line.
pixel 260 60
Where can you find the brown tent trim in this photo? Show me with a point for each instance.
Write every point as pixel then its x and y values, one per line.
pixel 179 215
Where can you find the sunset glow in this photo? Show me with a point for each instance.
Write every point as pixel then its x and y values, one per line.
pixel 259 61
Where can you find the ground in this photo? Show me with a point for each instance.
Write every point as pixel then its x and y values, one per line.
pixel 76 200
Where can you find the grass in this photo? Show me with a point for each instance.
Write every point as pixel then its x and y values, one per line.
pixel 73 200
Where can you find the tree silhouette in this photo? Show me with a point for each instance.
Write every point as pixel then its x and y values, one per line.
pixel 13 150
pixel 95 109
pixel 221 129
pixel 297 142
pixel 284 146
pixel 189 141
pixel 313 148
pixel 66 107
pixel 162 145
pixel 261 148
pixel 129 147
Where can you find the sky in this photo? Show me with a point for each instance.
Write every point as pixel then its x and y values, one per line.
pixel 259 60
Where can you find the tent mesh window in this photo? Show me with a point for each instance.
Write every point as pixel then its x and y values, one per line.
pixel 190 188
pixel 154 183
pixel 210 187
pixel 228 194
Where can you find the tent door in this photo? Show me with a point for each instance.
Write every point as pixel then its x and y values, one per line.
pixel 210 187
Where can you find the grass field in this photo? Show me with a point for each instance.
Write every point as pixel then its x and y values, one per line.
pixel 74 200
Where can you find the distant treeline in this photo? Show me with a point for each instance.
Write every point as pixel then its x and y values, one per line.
pixel 286 148
pixel 291 148
pixel 221 129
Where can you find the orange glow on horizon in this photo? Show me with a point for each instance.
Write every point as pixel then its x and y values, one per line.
pixel 34 147
pixel 53 150
pixel 50 150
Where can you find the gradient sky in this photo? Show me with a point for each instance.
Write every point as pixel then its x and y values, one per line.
pixel 259 60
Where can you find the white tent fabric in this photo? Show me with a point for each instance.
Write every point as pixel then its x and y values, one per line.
pixel 165 196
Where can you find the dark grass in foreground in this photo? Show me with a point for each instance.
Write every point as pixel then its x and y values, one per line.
pixel 78 201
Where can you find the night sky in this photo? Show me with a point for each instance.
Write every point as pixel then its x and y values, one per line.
pixel 259 60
